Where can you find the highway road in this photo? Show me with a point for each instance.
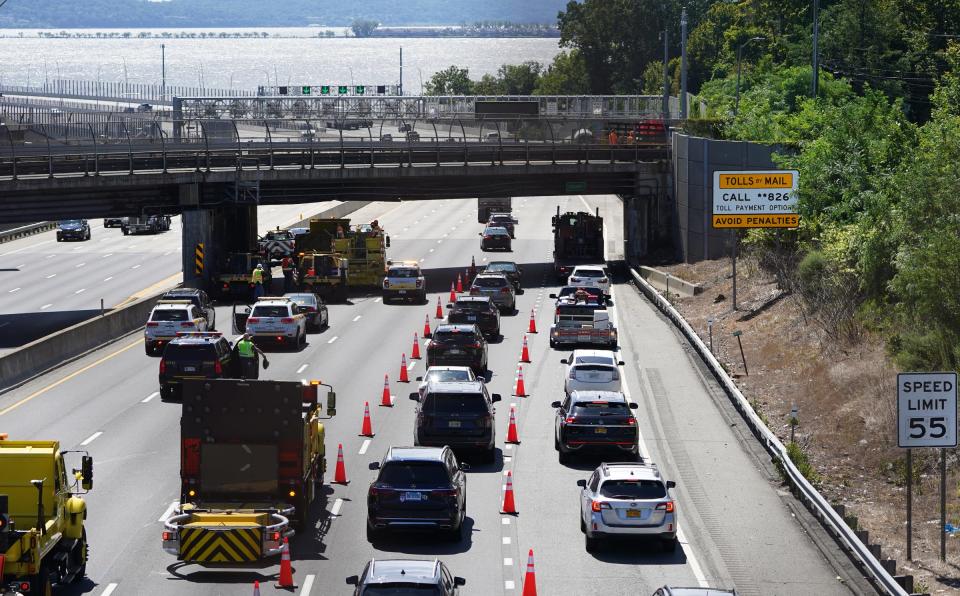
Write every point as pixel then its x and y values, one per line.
pixel 739 527
pixel 47 285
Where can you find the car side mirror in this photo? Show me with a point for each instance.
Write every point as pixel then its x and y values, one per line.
pixel 634 405
pixel 480 234
pixel 620 363
pixel 464 467
pixel 419 378
pixel 563 361
pixel 449 305
pixel 671 484
pixel 415 396
pixel 495 397
pixel 86 468
pixel 554 296
pixel 555 404
pixel 374 465
pixel 582 483
pixel 459 581
pixel 387 241
pixel 353 580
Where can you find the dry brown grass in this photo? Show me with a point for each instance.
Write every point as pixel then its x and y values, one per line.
pixel 846 399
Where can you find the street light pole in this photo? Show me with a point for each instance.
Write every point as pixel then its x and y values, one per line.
pixel 683 64
pixel 163 72
pixel 816 43
pixel 736 108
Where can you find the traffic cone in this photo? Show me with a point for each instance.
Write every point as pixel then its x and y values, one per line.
pixel 512 436
pixel 256 588
pixel 386 400
pixel 340 473
pixel 521 390
pixel 459 284
pixel 533 323
pixel 439 309
pixel 367 429
pixel 415 354
pixel 453 294
pixel 508 505
pixel 403 369
pixel 530 579
pixel 286 572
pixel 525 353
pixel 426 326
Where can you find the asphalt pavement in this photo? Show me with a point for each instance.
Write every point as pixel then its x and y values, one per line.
pixel 737 528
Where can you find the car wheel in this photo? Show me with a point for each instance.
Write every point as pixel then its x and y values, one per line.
pixel 373 534
pixel 553 344
pixel 556 442
pixel 583 525
pixel 563 456
pixel 456 535
pixel 669 545
pixel 592 544
pixel 490 455
pixel 59 239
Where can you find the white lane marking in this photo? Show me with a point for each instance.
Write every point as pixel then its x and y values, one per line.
pixel 135 266
pixel 14 290
pixel 20 265
pixel 506 540
pixel 51 276
pixel 165 254
pixel 307 585
pixel 149 397
pixel 505 521
pixel 357 318
pixel 508 447
pixel 109 254
pixel 302 368
pixel 440 241
pixel 169 511
pixel 335 510
pixel 508 584
pixel 364 447
pixel 80 291
pixel 377 300
pixel 50 257
pixel 333 339
pixel 507 561
pixel 45 306
pixel 91 438
pixel 132 246
pixel 445 235
pixel 108 278
pixel 421 260
pixel 411 364
pixel 79 265
pixel 431 250
pixel 109 589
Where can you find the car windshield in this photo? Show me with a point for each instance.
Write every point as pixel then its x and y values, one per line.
pixel 503 218
pixel 569 290
pixel 577 310
pixel 502 267
pixel 472 305
pixel 170 314
pixel 71 222
pixel 403 272
pixel 304 299
pixel 270 311
pixel 589 273
pixel 593 359
pixel 454 337
pixel 414 473
pixel 600 408
pixel 496 232
pixel 633 489
pixel 490 282
pixel 449 375
pixel 401 589
pixel 454 403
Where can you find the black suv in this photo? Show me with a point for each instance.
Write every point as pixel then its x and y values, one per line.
pixel 595 420
pixel 205 355
pixel 406 576
pixel 478 310
pixel 73 229
pixel 418 488
pixel 199 299
pixel 457 413
pixel 458 345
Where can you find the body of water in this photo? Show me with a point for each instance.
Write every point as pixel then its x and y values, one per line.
pixel 290 56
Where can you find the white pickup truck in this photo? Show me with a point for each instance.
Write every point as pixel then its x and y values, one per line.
pixel 582 322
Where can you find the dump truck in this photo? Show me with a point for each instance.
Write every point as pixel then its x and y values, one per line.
pixel 488 205
pixel 43 542
pixel 362 249
pixel 323 273
pixel 252 458
pixel 232 280
pixel 577 240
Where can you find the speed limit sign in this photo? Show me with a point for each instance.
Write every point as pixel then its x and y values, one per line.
pixel 927 409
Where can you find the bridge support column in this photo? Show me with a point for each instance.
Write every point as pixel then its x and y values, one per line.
pixel 198 246
pixel 222 230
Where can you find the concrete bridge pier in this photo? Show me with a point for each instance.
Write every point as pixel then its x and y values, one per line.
pixel 224 229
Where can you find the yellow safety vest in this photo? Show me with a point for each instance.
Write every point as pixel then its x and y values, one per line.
pixel 245 348
pixel 257 276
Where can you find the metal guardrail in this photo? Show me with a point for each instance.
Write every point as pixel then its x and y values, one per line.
pixel 119 91
pixel 28 230
pixel 809 495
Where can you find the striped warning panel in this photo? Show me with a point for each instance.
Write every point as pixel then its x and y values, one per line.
pixel 198 258
pixel 220 545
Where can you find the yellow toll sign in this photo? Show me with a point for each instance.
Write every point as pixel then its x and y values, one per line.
pixel 787 220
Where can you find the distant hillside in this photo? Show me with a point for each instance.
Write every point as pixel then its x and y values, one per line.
pixel 260 13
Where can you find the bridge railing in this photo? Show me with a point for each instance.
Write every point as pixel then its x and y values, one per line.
pixel 118 91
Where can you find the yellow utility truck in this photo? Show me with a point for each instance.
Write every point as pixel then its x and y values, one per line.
pixel 252 458
pixel 42 539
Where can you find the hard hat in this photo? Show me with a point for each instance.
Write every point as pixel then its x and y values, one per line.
pixel 259 265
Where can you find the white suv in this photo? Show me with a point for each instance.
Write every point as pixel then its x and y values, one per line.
pixel 404 280
pixel 168 318
pixel 627 499
pixel 590 276
pixel 592 370
pixel 277 320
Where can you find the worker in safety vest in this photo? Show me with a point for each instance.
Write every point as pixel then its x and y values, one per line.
pixel 286 264
pixel 256 278
pixel 613 138
pixel 249 356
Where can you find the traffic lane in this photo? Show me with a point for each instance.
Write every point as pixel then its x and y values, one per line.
pixel 735 514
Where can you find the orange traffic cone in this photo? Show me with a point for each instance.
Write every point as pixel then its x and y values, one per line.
pixel 530 579
pixel 340 474
pixel 459 284
pixel 415 355
pixel 439 309
pixel 403 369
pixel 521 390
pixel 525 353
pixel 512 436
pixel 367 429
pixel 426 327
pixel 533 323
pixel 286 572
pixel 386 400
pixel 508 505
pixel 256 588
pixel 453 294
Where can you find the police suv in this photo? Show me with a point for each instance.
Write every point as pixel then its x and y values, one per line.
pixel 404 280
pixel 277 320
pixel 167 319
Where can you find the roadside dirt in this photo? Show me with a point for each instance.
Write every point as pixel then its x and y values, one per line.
pixel 846 398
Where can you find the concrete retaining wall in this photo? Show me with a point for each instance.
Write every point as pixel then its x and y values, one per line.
pixel 667 283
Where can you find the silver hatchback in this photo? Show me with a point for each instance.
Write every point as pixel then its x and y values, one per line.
pixel 498 288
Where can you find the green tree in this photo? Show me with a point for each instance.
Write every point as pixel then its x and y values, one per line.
pixel 364 27
pixel 453 80
pixel 519 79
pixel 566 75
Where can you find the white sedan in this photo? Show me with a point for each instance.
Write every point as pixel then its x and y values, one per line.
pixel 592 370
pixel 445 374
pixel 592 276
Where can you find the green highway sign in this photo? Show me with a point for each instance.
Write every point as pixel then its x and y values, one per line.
pixel 343 90
pixel 305 90
pixel 575 187
pixel 325 90
pixel 359 89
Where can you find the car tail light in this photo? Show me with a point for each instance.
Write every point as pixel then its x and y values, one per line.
pixel 419 283
pixel 24 586
pixel 476 345
pixel 163 366
pixel 598 505
pixel 488 237
pixel 604 280
pixel 286 320
pixel 631 421
pixel 253 320
pixel 376 491
pixel 311 271
pixel 167 536
pixel 447 492
pixel 275 536
pixel 279 338
pixel 226 286
pixel 504 290
pixel 217 367
pixel 571 420
pixel 187 324
pixel 311 309
pixel 666 507
pixel 151 324
pixel 474 291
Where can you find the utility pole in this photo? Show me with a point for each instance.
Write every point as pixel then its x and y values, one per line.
pixel 666 71
pixel 163 72
pixel 401 71
pixel 683 63
pixel 816 47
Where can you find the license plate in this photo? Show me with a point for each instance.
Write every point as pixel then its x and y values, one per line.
pixel 189 369
pixel 407 497
pixel 453 423
pixel 401 291
pixel 472 318
pixel 600 430
pixel 584 337
pixel 456 351
pixel 633 513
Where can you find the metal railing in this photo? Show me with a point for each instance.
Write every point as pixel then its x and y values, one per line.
pixel 807 493
pixel 118 91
